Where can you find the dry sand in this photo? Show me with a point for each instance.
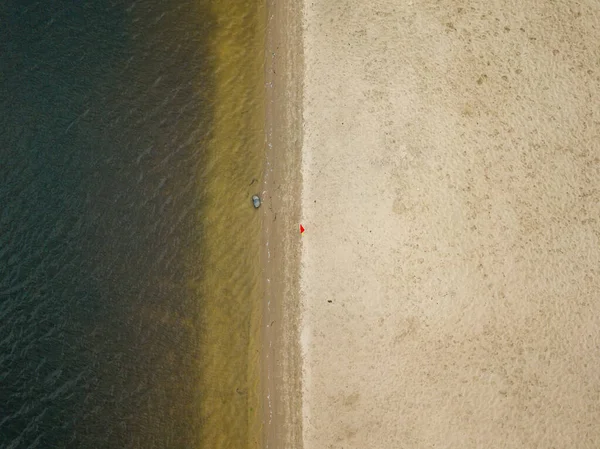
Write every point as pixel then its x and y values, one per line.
pixel 450 269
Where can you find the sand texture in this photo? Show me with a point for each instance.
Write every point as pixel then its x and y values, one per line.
pixel 450 268
pixel 281 367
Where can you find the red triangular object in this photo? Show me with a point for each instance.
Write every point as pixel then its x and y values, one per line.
pixel 301 229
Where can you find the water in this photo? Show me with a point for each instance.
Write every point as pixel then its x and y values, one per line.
pixel 129 281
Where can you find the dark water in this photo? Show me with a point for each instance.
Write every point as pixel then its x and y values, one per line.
pixel 105 111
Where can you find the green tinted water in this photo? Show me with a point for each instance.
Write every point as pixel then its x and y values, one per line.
pixel 130 133
pixel 231 285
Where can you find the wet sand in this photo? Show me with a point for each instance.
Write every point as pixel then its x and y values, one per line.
pixel 281 363
pixel 449 270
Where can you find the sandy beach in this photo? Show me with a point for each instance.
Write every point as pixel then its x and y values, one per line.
pixel 281 358
pixel 445 292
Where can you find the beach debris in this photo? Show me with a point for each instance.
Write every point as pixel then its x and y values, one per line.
pixel 256 201
pixel 301 229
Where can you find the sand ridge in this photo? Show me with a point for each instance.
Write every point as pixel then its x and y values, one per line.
pixel 449 269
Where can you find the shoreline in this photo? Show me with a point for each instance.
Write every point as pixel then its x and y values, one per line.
pixel 281 358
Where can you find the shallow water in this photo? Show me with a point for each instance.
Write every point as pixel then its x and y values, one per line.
pixel 231 289
pixel 129 275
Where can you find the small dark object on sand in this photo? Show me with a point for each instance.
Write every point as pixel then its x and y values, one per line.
pixel 256 201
